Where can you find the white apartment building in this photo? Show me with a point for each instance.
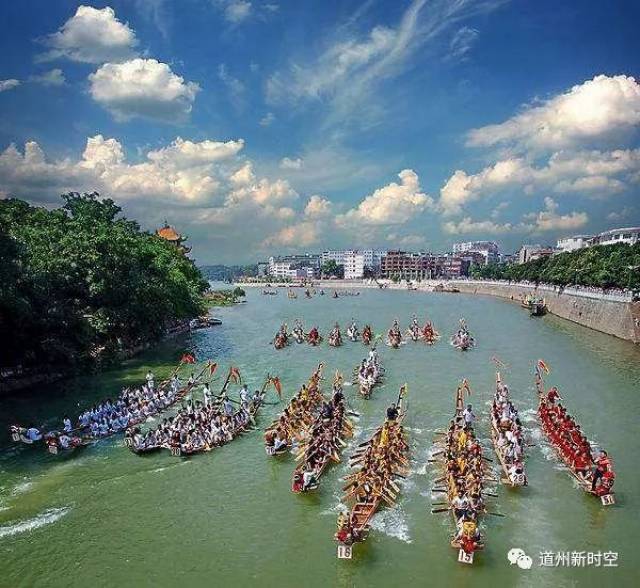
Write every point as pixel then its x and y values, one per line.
pixel 488 249
pixel 279 268
pixel 630 235
pixel 354 263
pixel 371 257
pixel 334 255
pixel 573 243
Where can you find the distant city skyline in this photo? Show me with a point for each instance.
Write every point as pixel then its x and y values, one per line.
pixel 261 127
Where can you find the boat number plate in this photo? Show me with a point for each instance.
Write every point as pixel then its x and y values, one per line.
pixel 608 499
pixel 344 551
pixel 15 436
pixel 518 479
pixel 270 450
pixel 128 441
pixel 464 557
pixel 53 449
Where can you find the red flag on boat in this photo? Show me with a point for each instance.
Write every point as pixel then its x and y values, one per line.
pixel 212 368
pixel 277 385
pixel 234 374
pixel 188 358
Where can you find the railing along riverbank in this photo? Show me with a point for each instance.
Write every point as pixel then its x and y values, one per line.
pixel 581 291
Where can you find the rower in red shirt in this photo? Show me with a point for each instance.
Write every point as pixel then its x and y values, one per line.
pixel 582 464
pixel 553 395
pixel 603 465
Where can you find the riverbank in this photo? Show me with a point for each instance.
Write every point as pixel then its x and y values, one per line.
pixel 14 381
pixel 605 313
pixel 611 316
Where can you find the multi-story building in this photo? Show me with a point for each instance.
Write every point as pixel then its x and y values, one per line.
pixel 372 258
pixel 451 266
pixel 294 266
pixel 353 265
pixel 333 255
pixel 406 266
pixel 573 243
pixel 489 250
pixel 531 252
pixel 630 235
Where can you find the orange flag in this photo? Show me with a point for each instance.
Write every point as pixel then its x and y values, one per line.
pixel 277 385
pixel 234 373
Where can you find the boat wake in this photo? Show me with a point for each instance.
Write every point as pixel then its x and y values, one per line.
pixel 335 509
pixel 49 516
pixel 22 488
pixel 393 523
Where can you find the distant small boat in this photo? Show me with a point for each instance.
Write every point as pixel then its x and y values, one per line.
pixel 535 305
pixel 203 322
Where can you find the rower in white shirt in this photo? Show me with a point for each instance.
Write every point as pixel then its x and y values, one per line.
pixel 67 424
pixel 244 395
pixel 206 394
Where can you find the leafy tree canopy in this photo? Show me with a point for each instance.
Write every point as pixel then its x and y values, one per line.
pixel 603 266
pixel 81 282
pixel 330 268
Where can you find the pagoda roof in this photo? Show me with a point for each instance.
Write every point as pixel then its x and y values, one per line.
pixel 169 233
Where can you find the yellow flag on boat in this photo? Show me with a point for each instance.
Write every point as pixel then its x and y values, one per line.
pixel 384 436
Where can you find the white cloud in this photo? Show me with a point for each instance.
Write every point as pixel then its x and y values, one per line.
pixel 8 84
pixel 182 171
pixel 462 188
pixel 205 187
pixel 287 163
pixel 546 220
pixel 497 211
pixel 406 240
pixel 237 11
pixel 599 109
pixel 143 88
pixel 92 35
pixel 391 204
pixel 243 176
pixel 596 174
pixel 467 226
pixel 618 215
pixel 461 43
pixel 182 154
pixel 318 207
pixel 235 87
pixel 549 219
pixel 351 65
pixel 53 77
pixel 267 119
pixel 303 234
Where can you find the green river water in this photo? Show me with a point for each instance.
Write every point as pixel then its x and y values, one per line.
pixel 106 517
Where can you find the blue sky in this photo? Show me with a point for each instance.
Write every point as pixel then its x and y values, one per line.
pixel 275 126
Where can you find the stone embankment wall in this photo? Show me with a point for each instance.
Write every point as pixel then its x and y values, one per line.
pixel 621 319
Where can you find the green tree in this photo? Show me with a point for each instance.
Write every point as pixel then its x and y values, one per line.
pixel 330 269
pixel 87 282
